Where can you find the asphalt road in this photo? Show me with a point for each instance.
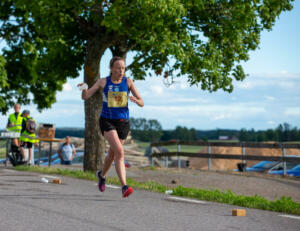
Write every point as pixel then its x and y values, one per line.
pixel 28 204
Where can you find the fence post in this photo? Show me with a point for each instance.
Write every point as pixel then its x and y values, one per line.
pixel 50 154
pixel 152 159
pixel 243 153
pixel 8 144
pixel 166 161
pixel 284 163
pixel 209 159
pixel 178 156
pixel 39 154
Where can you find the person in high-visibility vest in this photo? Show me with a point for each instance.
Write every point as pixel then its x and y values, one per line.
pixel 27 137
pixel 14 123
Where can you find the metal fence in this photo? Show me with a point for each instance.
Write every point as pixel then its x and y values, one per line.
pixel 243 145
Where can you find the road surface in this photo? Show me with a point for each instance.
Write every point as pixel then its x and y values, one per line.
pixel 28 204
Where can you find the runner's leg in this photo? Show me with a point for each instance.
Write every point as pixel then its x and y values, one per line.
pixel 108 162
pixel 117 146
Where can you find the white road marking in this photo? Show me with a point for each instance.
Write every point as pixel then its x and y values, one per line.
pixel 111 186
pixel 290 216
pixel 186 200
pixel 8 170
pixel 46 176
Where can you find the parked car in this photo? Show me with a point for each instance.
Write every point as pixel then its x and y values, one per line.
pixel 262 166
pixel 291 172
pixel 78 159
pixel 292 169
pixel 54 160
pixel 44 160
pixel 279 167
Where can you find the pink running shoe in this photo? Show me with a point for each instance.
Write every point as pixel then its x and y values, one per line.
pixel 101 181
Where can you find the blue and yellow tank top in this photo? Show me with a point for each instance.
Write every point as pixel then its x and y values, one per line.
pixel 115 103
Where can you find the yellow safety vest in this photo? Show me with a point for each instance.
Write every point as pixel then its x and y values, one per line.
pixel 16 121
pixel 26 136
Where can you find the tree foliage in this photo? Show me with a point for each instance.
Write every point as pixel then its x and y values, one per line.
pixel 282 133
pixel 3 78
pixel 145 130
pixel 39 54
pixel 48 41
pixel 180 133
pixel 205 40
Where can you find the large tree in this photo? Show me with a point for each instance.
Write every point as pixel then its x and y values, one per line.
pixel 49 41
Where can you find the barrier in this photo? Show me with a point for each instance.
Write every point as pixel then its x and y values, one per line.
pixel 209 155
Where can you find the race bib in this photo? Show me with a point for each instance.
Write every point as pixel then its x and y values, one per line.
pixel 117 99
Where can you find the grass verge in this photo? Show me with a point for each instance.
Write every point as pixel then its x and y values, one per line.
pixel 284 204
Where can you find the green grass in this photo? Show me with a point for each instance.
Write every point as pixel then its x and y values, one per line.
pixel 184 148
pixel 142 145
pixel 292 142
pixel 152 186
pixel 2 153
pixel 284 204
pixel 224 141
pixel 2 149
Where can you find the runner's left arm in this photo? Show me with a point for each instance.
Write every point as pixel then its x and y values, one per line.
pixel 136 98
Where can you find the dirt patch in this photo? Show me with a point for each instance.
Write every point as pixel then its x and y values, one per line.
pixel 221 164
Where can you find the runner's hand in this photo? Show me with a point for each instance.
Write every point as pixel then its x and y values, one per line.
pixel 133 99
pixel 82 86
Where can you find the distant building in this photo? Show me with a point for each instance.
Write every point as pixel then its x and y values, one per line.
pixel 234 138
pixel 224 138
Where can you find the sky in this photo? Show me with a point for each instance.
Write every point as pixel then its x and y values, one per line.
pixel 269 96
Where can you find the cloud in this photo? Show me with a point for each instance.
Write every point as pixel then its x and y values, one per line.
pixel 62 114
pixel 156 89
pixel 222 116
pixel 246 85
pixel 211 112
pixel 280 75
pixel 269 97
pixel 186 100
pixel 282 79
pixel 67 87
pixel 184 85
pixel 292 111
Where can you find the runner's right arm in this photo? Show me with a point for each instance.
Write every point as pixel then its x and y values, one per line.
pixel 89 92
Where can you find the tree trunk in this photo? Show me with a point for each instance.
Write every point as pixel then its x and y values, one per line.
pixel 94 144
pixel 120 49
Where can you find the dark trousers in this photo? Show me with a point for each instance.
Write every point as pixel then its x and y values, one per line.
pixel 66 162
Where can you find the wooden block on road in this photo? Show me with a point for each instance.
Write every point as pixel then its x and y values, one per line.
pixel 239 212
pixel 56 181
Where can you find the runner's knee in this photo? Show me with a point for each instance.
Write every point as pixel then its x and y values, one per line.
pixel 119 155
